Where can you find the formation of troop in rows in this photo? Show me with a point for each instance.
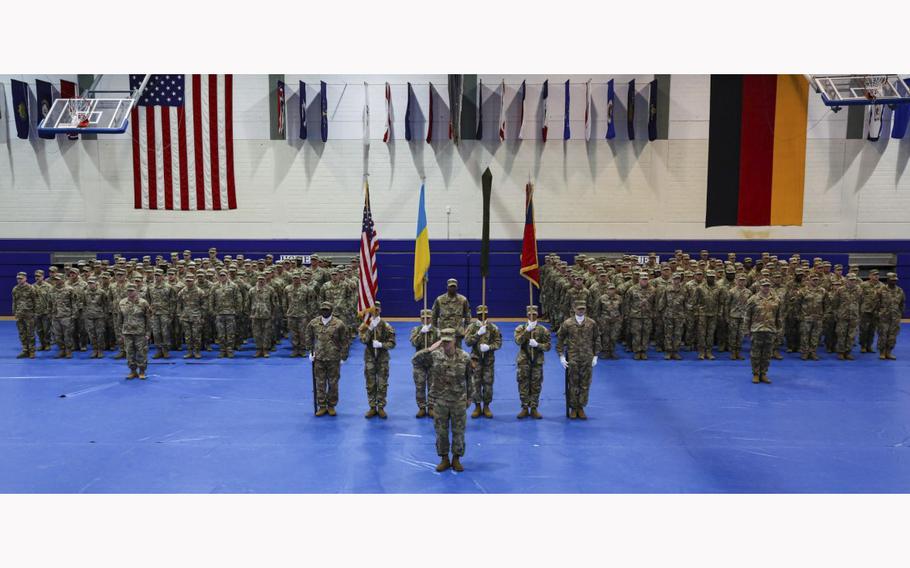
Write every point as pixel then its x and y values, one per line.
pixel 707 303
pixel 595 304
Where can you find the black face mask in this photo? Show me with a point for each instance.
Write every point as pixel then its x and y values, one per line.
pixel 891 283
pixel 710 280
pixel 731 277
pixel 799 277
pixel 325 313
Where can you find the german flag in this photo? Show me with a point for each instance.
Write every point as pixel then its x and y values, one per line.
pixel 757 150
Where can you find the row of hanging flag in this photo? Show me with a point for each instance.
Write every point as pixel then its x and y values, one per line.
pixel 456 129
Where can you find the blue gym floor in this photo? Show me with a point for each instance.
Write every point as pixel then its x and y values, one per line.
pixel 247 426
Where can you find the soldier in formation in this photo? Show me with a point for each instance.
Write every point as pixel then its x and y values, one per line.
pixel 484 338
pixel 328 342
pixel 423 336
pixel 378 337
pixel 533 339
pixel 577 343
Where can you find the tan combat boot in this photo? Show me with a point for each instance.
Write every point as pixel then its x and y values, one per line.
pixel 370 413
pixel 331 411
pixel 534 414
pixel 755 379
pixel 581 414
pixel 456 464
pixel 381 412
pixel 443 464
pixel 487 412
pixel 421 412
pixel 523 413
pixel 765 379
pixel 142 373
pixel 477 411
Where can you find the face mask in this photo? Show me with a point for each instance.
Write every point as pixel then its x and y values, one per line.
pixel 580 319
pixel 891 283
pixel 710 281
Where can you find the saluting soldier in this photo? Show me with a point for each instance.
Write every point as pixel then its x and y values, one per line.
pixel 762 320
pixel 484 338
pixel 452 310
pixel 450 371
pixel 422 336
pixel 533 340
pixel 378 336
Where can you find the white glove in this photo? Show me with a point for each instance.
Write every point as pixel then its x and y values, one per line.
pixel 562 359
pixel 484 347
pixel 377 344
pixel 531 325
pixel 594 362
pixel 482 329
pixel 312 357
pixel 425 329
pixel 532 342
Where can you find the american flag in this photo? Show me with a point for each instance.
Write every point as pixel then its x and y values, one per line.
pixel 369 244
pixel 183 143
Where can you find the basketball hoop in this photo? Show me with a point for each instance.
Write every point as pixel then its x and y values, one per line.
pixel 872 86
pixel 81 110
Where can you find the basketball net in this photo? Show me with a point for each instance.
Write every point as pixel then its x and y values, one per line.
pixel 872 86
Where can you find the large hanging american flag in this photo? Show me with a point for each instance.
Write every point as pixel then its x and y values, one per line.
pixel 369 244
pixel 183 143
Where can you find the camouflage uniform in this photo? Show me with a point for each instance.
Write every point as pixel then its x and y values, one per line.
pixel 136 317
pixel 578 342
pixel 162 300
pixel 450 378
pixel 43 313
pixel 226 301
pixel 891 303
pixel 846 303
pixel 791 315
pixel 762 320
pixel 328 345
pixel 97 306
pixel 25 300
pixel 420 341
pixel 64 305
pixel 376 360
pixel 642 307
pixel 609 322
pixel 483 363
pixel 529 363
pixel 707 303
pixel 452 311
pixel 811 303
pixel 261 303
pixel 672 304
pixel 737 299
pixel 191 302
pixel 117 293
pixel 300 298
pixel 868 317
pixel 829 320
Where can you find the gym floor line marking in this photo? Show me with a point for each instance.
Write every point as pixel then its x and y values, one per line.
pixel 89 390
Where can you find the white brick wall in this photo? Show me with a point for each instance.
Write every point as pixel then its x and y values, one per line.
pixel 598 189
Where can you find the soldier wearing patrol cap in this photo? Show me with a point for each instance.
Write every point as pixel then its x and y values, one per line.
pixel 422 336
pixel 261 303
pixel 891 303
pixel 868 317
pixel 762 321
pixel 191 309
pixel 94 312
pixel 811 305
pixel 734 309
pixel 162 301
pixel 846 304
pixel 450 378
pixel 43 291
pixel 328 342
pixel 226 303
pixel 25 301
pixel 484 339
pixel 578 343
pixel 64 306
pixel 609 321
pixel 707 302
pixel 136 315
pixel 379 337
pixel 452 310
pixel 533 340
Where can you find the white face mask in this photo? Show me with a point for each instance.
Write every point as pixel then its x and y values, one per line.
pixel 325 321
pixel 579 319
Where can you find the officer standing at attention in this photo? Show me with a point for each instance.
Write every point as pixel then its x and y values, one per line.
pixel 378 336
pixel 422 336
pixel 484 338
pixel 25 300
pixel 578 343
pixel 136 315
pixel 762 320
pixel 452 310
pixel 328 342
pixel 533 340
pixel 891 304
pixel 450 372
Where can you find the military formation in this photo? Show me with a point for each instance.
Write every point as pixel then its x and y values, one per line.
pixel 705 305
pixel 709 305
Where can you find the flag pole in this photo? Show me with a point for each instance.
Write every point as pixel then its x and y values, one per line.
pixel 424 307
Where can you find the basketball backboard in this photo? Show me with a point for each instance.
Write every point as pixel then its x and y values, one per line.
pixel 105 116
pixel 846 90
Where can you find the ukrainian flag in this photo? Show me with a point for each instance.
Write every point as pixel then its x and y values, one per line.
pixel 421 248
